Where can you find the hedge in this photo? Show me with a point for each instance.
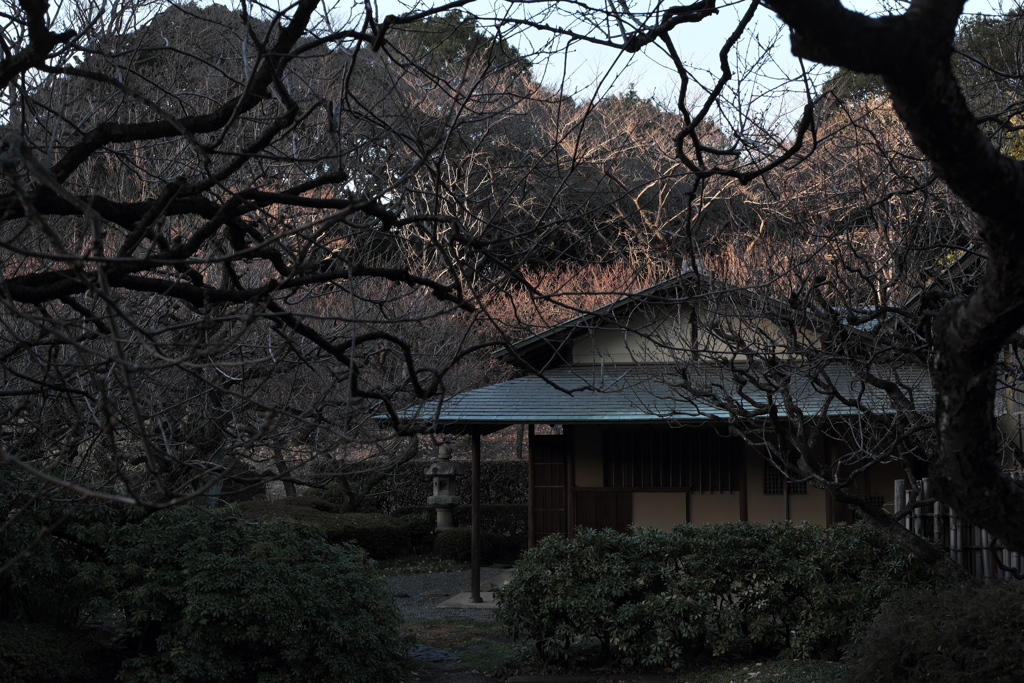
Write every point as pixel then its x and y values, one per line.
pixel 315 502
pixel 507 520
pixel 456 545
pixel 502 482
pixel 655 599
pixel 382 536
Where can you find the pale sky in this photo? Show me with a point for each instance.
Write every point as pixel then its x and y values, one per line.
pixel 587 67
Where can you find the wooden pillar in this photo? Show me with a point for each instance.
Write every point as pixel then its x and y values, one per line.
pixel 530 539
pixel 828 453
pixel 475 538
pixel 785 497
pixel 744 462
pixel 570 482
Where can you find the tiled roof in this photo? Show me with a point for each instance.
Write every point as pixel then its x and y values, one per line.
pixel 638 393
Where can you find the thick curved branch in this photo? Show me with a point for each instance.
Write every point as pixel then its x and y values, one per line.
pixel 912 54
pixel 41 44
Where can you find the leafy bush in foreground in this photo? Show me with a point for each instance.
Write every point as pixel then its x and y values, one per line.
pixel 42 541
pixel 956 636
pixel 656 599
pixel 212 599
pixel 40 652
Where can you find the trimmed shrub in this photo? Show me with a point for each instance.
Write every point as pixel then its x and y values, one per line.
pixel 502 482
pixel 507 520
pixel 424 511
pixel 955 636
pixel 421 533
pixel 334 495
pixel 208 599
pixel 382 536
pixel 315 502
pixel 457 545
pixel 654 599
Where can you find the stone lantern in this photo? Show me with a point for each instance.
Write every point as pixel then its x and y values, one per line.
pixel 443 472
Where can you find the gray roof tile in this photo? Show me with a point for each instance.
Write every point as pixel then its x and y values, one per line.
pixel 638 393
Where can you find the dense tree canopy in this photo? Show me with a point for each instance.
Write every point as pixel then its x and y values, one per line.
pixel 231 235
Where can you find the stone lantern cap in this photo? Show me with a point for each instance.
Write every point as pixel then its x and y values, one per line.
pixel 443 466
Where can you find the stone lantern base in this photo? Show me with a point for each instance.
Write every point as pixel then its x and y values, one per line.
pixel 445 506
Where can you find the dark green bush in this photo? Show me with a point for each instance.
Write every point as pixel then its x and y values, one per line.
pixel 334 495
pixel 502 482
pixel 960 635
pixel 421 533
pixel 456 545
pixel 857 570
pixel 42 585
pixel 312 501
pixel 424 511
pixel 509 520
pixel 31 653
pixel 209 599
pixel 382 536
pixel 655 599
pixel 37 587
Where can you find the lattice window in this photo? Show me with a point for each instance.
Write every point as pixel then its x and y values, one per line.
pixel 698 459
pixel 876 501
pixel 774 482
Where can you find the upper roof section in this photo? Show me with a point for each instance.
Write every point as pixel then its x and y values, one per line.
pixel 687 317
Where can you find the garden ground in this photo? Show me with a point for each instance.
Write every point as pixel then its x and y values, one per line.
pixel 486 654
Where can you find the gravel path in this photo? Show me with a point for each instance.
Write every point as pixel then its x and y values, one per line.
pixel 418 595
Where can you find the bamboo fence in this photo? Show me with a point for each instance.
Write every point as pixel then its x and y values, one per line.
pixel 970 546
